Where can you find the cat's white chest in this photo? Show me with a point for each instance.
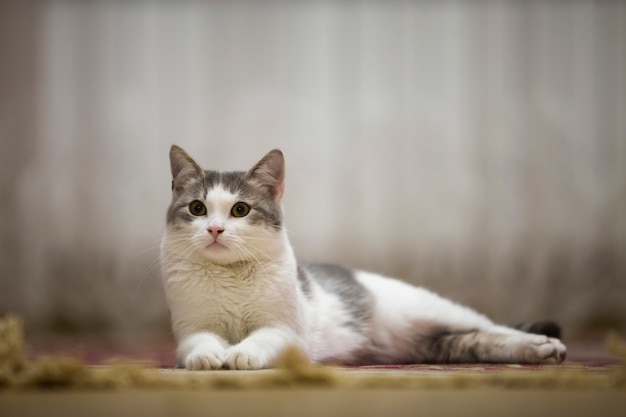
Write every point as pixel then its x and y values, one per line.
pixel 232 302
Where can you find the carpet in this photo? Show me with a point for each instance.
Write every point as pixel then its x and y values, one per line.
pixel 65 380
pixel 98 367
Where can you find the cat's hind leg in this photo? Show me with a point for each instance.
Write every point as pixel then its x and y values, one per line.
pixel 493 347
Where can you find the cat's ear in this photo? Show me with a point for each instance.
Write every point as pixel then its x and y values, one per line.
pixel 269 172
pixel 183 167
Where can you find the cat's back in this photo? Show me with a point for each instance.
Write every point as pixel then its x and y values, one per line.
pixel 334 279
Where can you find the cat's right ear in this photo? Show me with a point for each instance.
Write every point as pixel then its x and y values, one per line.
pixel 269 172
pixel 183 167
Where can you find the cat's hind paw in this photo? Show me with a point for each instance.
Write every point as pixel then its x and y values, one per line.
pixel 203 360
pixel 547 350
pixel 561 350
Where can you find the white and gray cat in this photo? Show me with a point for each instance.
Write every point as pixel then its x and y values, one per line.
pixel 238 298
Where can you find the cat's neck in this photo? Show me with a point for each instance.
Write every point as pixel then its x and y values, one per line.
pixel 203 268
pixel 283 261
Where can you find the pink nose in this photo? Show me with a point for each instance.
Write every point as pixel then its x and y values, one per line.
pixel 216 231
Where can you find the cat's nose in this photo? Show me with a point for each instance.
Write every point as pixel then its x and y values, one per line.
pixel 216 231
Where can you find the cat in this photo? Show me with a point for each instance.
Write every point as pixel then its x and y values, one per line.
pixel 238 298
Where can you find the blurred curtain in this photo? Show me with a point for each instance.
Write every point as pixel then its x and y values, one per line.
pixel 478 148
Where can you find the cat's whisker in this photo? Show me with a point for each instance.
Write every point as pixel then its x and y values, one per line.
pixel 267 259
pixel 147 249
pixel 243 246
pixel 257 261
pixel 256 238
pixel 242 255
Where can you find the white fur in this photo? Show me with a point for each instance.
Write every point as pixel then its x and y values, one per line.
pixel 328 339
pixel 215 307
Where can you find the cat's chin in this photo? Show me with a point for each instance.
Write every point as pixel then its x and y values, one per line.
pixel 218 254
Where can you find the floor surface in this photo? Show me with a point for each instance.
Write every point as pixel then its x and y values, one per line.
pixel 316 403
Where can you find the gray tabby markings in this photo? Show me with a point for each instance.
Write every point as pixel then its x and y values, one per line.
pixel 340 281
pixel 265 210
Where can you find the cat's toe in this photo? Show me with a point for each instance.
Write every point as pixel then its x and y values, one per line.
pixel 243 359
pixel 561 350
pixel 204 361
pixel 548 351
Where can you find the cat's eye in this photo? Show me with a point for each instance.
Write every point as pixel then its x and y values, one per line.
pixel 197 208
pixel 240 210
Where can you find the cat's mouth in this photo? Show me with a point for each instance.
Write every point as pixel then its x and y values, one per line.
pixel 215 245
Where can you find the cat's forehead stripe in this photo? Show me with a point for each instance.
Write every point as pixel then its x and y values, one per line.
pixel 219 193
pixel 230 180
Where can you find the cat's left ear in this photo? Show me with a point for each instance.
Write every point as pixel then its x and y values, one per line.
pixel 183 167
pixel 269 172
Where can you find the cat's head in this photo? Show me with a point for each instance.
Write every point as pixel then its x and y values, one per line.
pixel 225 217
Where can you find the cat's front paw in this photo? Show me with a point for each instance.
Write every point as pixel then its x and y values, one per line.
pixel 203 359
pixel 238 357
pixel 546 350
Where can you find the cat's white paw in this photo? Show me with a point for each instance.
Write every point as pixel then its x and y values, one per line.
pixel 203 360
pixel 544 350
pixel 243 358
pixel 561 350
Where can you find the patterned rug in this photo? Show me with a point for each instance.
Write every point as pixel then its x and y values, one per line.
pixel 87 377
pixel 589 364
pixel 96 363
pixel 583 353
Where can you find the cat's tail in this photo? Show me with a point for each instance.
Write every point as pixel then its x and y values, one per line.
pixel 546 328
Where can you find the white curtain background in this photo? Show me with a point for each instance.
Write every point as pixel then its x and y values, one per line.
pixel 477 148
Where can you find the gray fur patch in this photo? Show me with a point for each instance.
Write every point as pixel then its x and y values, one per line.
pixel 264 209
pixel 304 281
pixel 471 346
pixel 340 281
pixel 452 347
pixel 192 189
